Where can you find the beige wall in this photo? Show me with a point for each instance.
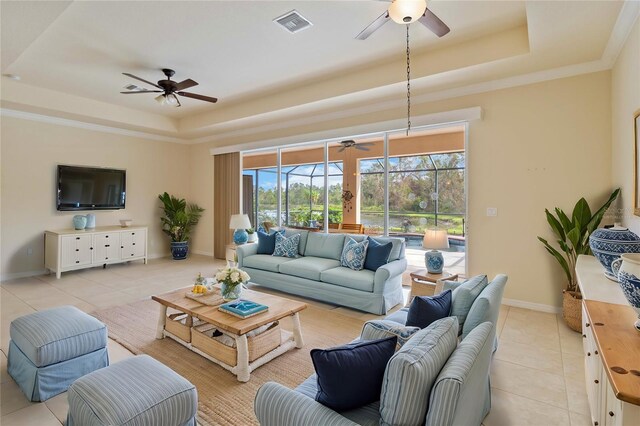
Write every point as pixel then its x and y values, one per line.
pixel 30 153
pixel 625 101
pixel 538 146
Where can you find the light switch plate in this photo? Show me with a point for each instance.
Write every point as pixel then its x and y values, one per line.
pixel 492 211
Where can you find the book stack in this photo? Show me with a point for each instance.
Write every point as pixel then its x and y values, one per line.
pixel 243 308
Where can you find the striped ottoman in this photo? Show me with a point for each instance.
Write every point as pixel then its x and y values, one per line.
pixel 50 349
pixel 136 391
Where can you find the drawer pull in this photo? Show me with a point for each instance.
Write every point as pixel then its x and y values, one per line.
pixel 77 249
pixel 77 261
pixel 595 352
pixel 595 423
pixel 133 233
pixel 588 353
pixel 106 236
pixel 106 258
pixel 611 413
pixel 587 325
pixel 134 244
pixel 77 238
pixel 107 245
pixel 121 246
pixel 584 336
pixel 131 254
pixel 596 381
pixel 90 248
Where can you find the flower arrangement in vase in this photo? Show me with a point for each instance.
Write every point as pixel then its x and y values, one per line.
pixel 231 280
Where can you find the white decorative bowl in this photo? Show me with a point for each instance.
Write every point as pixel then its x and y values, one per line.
pixel 125 223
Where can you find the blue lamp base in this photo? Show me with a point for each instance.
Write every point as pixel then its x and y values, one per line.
pixel 240 236
pixel 434 261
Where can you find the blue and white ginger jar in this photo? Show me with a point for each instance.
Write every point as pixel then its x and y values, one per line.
pixel 608 244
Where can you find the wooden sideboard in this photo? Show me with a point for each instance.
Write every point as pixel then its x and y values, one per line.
pixel 611 348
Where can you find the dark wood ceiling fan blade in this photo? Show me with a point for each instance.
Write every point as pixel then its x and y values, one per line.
pixel 141 79
pixel 142 91
pixel 435 24
pixel 199 97
pixel 374 26
pixel 186 84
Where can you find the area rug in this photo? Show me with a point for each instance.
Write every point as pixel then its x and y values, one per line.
pixel 222 400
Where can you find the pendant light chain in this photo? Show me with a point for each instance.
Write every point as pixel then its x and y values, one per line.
pixel 408 84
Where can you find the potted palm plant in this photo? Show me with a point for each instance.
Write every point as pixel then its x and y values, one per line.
pixel 572 235
pixel 179 219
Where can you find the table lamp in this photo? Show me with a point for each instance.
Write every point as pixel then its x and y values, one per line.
pixel 240 222
pixel 434 239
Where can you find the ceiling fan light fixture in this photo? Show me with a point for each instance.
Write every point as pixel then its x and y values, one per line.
pixel 407 11
pixel 171 99
pixel 161 99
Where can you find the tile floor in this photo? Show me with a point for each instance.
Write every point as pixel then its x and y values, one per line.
pixel 537 375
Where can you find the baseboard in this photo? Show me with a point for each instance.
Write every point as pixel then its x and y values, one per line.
pixel 25 274
pixel 533 306
pixel 203 253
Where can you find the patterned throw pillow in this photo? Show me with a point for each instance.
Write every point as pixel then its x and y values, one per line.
pixel 379 329
pixel 286 247
pixel 354 254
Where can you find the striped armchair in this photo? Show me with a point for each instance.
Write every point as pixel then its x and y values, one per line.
pixel 429 381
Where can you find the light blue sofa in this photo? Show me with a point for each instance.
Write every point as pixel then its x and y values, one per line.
pixel 317 273
pixel 440 384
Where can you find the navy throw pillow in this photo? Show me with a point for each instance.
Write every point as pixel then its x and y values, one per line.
pixel 350 376
pixel 267 242
pixel 426 309
pixel 377 254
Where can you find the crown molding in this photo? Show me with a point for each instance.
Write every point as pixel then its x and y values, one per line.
pixel 6 112
pixel 629 14
pixel 445 118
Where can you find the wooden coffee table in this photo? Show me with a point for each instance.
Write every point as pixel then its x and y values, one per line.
pixel 234 327
pixel 424 284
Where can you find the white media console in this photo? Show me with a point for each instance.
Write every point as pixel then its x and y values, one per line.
pixel 70 249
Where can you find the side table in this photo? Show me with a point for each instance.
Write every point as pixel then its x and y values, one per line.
pixel 231 256
pixel 424 284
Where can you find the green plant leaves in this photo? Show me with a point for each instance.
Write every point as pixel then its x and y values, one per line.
pixel 573 234
pixel 179 217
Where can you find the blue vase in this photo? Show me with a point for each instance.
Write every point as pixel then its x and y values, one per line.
pixel 434 261
pixel 230 293
pixel 179 249
pixel 79 222
pixel 91 221
pixel 608 244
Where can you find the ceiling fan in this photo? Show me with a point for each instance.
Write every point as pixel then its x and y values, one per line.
pixel 170 89
pixel 351 143
pixel 406 12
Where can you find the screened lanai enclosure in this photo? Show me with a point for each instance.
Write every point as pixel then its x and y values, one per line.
pixel 424 186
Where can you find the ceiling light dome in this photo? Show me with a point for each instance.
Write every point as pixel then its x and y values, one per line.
pixel 407 11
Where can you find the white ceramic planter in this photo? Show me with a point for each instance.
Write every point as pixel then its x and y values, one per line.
pixel 627 268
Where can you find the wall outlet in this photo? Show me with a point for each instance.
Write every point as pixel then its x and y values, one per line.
pixel 492 211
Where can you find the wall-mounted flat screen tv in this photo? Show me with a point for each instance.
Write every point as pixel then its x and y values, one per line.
pixel 90 188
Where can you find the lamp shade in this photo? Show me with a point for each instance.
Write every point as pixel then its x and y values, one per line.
pixel 407 11
pixel 239 221
pixel 435 239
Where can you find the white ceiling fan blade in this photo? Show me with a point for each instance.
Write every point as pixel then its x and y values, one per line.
pixel 361 148
pixel 374 26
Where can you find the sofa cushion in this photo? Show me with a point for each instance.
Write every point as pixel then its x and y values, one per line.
pixel 308 267
pixel 266 262
pixel 411 372
pixel 287 246
pixel 350 376
pixel 399 316
pixel 377 254
pixel 426 309
pixel 486 307
pixel 354 254
pixel 397 244
pixel 304 234
pixel 465 294
pixel 378 329
pixel 345 277
pixel 267 242
pixel 328 246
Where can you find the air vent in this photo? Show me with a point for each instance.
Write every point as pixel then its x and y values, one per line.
pixel 293 21
pixel 133 88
